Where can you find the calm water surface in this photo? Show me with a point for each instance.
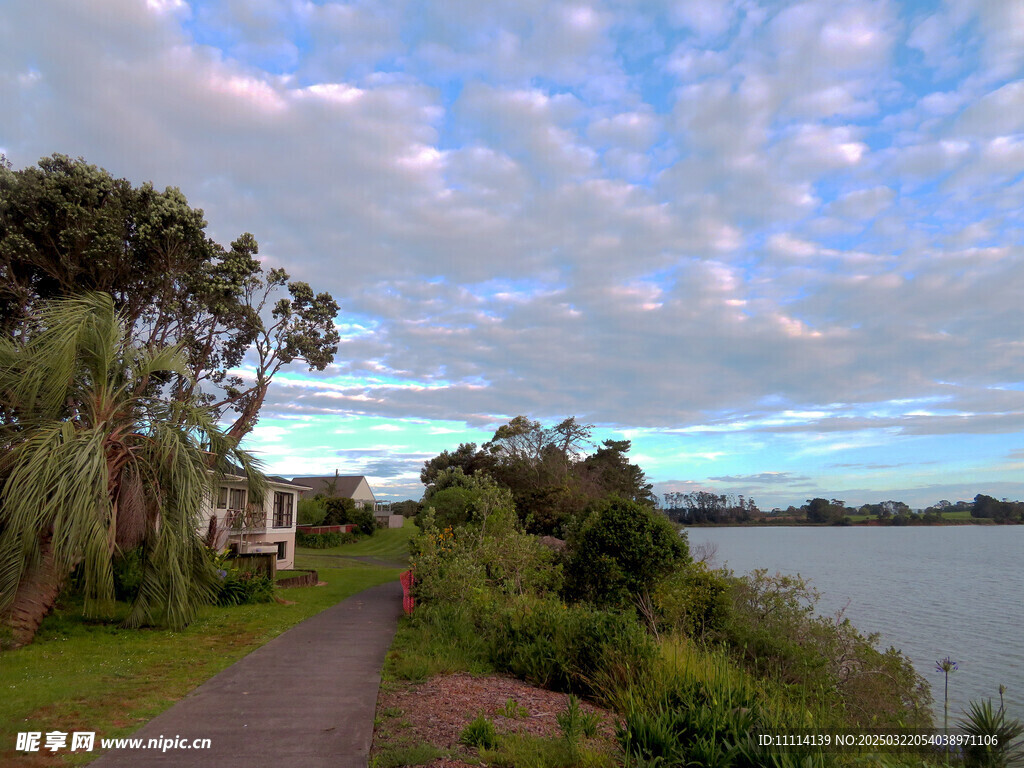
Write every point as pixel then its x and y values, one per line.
pixel 931 592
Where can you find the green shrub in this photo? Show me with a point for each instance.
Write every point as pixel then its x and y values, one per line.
pixel 515 562
pixel 695 601
pixel 244 587
pixel 567 648
pixel 621 552
pixel 692 723
pixel 338 511
pixel 453 506
pixel 128 574
pixel 455 499
pixel 774 631
pixel 480 734
pixel 436 640
pixel 310 512
pixel 447 569
pixel 471 562
pixel 318 540
pixel 364 521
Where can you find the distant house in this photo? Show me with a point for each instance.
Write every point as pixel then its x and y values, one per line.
pixel 353 487
pixel 252 527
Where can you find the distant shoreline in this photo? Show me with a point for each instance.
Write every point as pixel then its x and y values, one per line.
pixel 986 522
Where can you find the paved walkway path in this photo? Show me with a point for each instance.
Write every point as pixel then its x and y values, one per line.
pixel 306 699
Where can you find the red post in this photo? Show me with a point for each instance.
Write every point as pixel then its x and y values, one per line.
pixel 408 602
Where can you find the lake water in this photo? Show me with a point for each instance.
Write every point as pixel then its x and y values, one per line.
pixel 931 592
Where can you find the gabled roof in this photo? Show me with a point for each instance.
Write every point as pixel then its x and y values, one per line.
pixel 233 471
pixel 277 480
pixel 345 486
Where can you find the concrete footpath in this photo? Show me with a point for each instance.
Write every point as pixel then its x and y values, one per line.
pixel 307 698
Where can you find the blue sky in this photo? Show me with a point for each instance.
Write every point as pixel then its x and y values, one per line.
pixel 775 244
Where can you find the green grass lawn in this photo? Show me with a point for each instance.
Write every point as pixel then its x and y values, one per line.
pixel 390 544
pixel 93 676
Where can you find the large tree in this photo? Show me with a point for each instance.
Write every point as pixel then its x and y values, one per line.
pixel 614 474
pixel 68 227
pixel 551 477
pixel 93 461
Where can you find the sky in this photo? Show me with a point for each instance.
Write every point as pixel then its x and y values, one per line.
pixel 776 245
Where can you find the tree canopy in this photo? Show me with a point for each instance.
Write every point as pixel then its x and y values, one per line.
pixel 93 463
pixel 548 470
pixel 67 227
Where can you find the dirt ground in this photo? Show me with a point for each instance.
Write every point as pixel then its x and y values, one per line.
pixel 437 710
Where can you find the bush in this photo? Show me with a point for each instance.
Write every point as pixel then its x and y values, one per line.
pixel 457 564
pixel 455 499
pixel 775 633
pixel 514 562
pixel 453 506
pixel 695 601
pixel 364 521
pixel 407 508
pixel 446 567
pixel 244 587
pixel 128 574
pixel 621 552
pixel 318 540
pixel 310 512
pixel 574 648
pixel 338 511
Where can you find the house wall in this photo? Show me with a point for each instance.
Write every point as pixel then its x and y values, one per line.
pixel 362 494
pixel 268 534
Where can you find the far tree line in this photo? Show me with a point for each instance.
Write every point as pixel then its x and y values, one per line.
pixel 555 473
pixel 703 507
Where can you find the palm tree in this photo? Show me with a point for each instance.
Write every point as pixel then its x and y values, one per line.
pixel 94 460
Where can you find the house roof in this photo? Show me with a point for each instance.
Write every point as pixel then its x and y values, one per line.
pixel 232 470
pixel 345 486
pixel 284 481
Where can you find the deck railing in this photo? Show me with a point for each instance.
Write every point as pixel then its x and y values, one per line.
pixel 253 516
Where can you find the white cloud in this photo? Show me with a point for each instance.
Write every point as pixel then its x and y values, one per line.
pixel 863 203
pixel 526 218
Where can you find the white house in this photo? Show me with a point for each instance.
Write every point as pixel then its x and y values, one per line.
pixel 252 527
pixel 354 487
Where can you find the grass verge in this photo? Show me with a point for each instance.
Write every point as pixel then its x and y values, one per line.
pixel 94 676
pixel 390 544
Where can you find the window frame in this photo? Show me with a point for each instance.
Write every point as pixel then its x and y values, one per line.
pixel 234 494
pixel 283 518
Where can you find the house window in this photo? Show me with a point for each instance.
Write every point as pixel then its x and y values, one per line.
pixel 222 497
pixel 282 550
pixel 237 498
pixel 283 510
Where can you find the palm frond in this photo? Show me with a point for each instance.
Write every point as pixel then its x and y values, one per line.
pixel 95 460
